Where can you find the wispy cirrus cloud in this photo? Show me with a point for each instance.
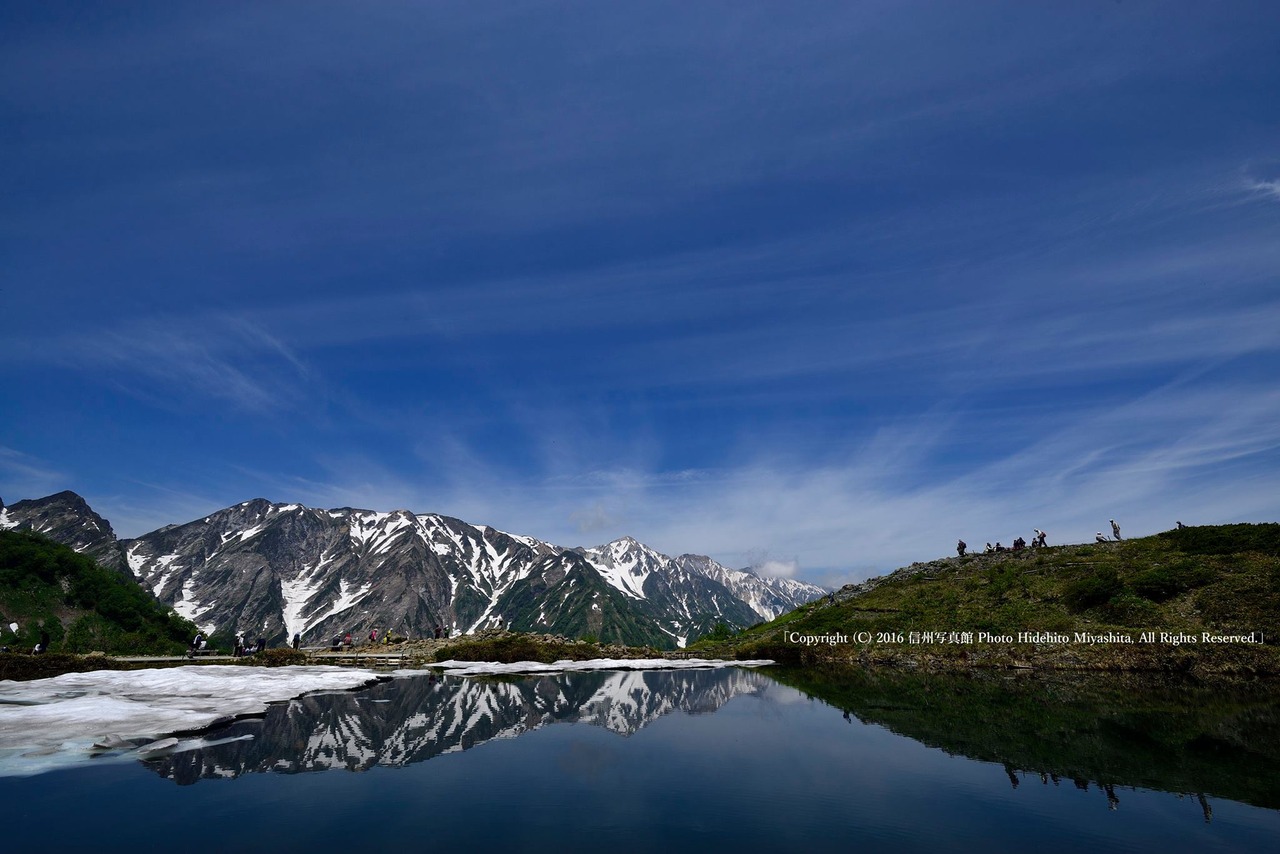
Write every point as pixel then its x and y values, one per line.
pixel 1267 188
pixel 175 361
pixel 26 476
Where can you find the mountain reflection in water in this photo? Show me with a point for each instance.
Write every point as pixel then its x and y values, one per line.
pixel 407 720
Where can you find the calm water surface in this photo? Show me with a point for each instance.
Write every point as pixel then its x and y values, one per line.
pixel 697 761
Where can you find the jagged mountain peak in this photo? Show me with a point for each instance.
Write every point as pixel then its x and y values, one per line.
pixel 627 547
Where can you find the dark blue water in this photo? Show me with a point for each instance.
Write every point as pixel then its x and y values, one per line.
pixel 726 760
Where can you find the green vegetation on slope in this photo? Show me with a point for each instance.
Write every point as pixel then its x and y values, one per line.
pixel 579 604
pixel 48 587
pixel 1220 579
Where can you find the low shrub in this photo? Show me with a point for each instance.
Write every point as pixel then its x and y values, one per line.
pixel 511 648
pixel 1092 590
pixel 1164 582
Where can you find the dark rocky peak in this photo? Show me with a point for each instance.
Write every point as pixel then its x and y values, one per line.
pixel 67 518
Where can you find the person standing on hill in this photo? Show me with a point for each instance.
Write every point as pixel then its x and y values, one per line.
pixel 1115 529
pixel 960 547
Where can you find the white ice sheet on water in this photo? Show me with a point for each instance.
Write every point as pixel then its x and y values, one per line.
pixel 480 668
pixel 52 723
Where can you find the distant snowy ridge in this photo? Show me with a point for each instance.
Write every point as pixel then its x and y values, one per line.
pixel 285 569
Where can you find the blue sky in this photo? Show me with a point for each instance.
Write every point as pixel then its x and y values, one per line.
pixel 816 287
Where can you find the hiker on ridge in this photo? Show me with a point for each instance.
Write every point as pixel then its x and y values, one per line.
pixel 1115 529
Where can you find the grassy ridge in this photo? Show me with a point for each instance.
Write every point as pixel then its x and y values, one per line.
pixel 48 587
pixel 1219 579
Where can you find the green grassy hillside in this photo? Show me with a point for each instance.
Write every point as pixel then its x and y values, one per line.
pixel 977 610
pixel 48 587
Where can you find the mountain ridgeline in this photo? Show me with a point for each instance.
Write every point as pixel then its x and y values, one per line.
pixel 280 569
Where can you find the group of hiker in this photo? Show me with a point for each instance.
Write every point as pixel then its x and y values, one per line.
pixel 243 649
pixel 1038 541
pixel 200 643
pixel 341 641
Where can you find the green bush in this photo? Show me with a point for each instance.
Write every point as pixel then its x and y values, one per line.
pixel 1093 590
pixel 1131 610
pixel 720 632
pixel 1227 539
pixel 517 647
pixel 1164 582
pixel 278 657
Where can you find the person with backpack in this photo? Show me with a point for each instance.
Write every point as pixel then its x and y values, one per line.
pixel 960 547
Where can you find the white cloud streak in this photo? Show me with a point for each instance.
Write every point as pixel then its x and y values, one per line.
pixel 25 476
pixel 172 362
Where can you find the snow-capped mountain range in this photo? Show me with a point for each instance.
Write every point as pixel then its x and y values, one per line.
pixel 408 720
pixel 281 569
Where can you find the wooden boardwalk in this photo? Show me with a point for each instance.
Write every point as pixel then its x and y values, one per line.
pixel 376 659
pixel 321 655
pixel 143 659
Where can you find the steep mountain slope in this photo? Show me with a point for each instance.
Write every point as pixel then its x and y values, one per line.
pixel 286 569
pixel 564 594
